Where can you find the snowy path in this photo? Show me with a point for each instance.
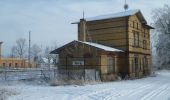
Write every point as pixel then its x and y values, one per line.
pixel 151 88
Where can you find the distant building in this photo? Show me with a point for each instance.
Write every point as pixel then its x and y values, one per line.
pixel 115 44
pixel 14 62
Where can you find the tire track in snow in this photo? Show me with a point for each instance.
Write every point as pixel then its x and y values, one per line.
pixel 91 94
pixel 164 91
pixel 110 97
pixel 97 95
pixel 105 94
pixel 155 92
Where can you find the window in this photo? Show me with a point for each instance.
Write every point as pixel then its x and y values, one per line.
pixel 136 39
pixel 136 63
pixel 144 44
pixel 110 68
pixel 4 64
pixel 16 64
pixel 133 24
pixel 133 66
pixel 144 35
pixel 137 25
pixel 145 62
pixel 10 64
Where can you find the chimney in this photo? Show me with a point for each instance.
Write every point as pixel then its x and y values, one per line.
pixel 0 49
pixel 82 30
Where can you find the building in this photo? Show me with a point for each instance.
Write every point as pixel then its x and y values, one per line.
pixel 126 34
pixel 14 62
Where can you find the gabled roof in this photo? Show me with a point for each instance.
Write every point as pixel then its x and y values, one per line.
pixel 100 46
pixel 117 15
pixel 96 45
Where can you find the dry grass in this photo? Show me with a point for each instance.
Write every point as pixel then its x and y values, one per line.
pixel 4 94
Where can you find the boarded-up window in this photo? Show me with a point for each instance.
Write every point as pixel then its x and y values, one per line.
pixel 110 65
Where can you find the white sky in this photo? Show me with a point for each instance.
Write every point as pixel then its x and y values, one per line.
pixel 50 20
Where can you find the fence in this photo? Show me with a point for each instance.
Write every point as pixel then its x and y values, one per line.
pixel 78 74
pixel 22 74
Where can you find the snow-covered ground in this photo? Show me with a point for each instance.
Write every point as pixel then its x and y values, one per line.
pixel 150 88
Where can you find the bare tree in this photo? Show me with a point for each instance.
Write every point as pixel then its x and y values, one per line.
pixel 47 55
pixel 35 53
pixel 50 57
pixel 161 18
pixel 20 47
pixel 13 53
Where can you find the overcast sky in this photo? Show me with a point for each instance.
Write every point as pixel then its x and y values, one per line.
pixel 50 20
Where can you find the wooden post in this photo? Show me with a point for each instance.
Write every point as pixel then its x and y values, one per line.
pixel 115 59
pixel 5 72
pixel 67 69
pixel 84 69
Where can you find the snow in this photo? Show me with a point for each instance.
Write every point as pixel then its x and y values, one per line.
pixel 115 15
pixel 106 48
pixel 150 88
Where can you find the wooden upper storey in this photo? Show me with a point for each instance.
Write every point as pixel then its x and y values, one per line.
pixel 121 32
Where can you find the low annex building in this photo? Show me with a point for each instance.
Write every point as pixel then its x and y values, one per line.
pixel 114 44
pixel 86 55
pixel 14 62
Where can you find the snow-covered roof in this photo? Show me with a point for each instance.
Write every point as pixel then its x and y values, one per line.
pixel 96 45
pixel 45 60
pixel 115 15
pixel 100 46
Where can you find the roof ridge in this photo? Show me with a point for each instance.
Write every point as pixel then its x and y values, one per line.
pixel 116 13
pixel 112 15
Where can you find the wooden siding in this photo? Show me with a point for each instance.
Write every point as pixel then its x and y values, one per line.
pixel 110 32
pixel 141 31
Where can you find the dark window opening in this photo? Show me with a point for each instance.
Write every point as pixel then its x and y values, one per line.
pixel 10 64
pixel 4 64
pixel 87 55
pixel 16 64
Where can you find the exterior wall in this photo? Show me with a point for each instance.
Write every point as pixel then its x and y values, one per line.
pixel 122 62
pixel 141 31
pixel 109 32
pixel 105 76
pixel 140 52
pixel 77 53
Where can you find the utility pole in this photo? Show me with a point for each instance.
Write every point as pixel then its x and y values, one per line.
pixel 29 50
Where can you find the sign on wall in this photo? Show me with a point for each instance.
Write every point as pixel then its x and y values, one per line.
pixel 78 63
